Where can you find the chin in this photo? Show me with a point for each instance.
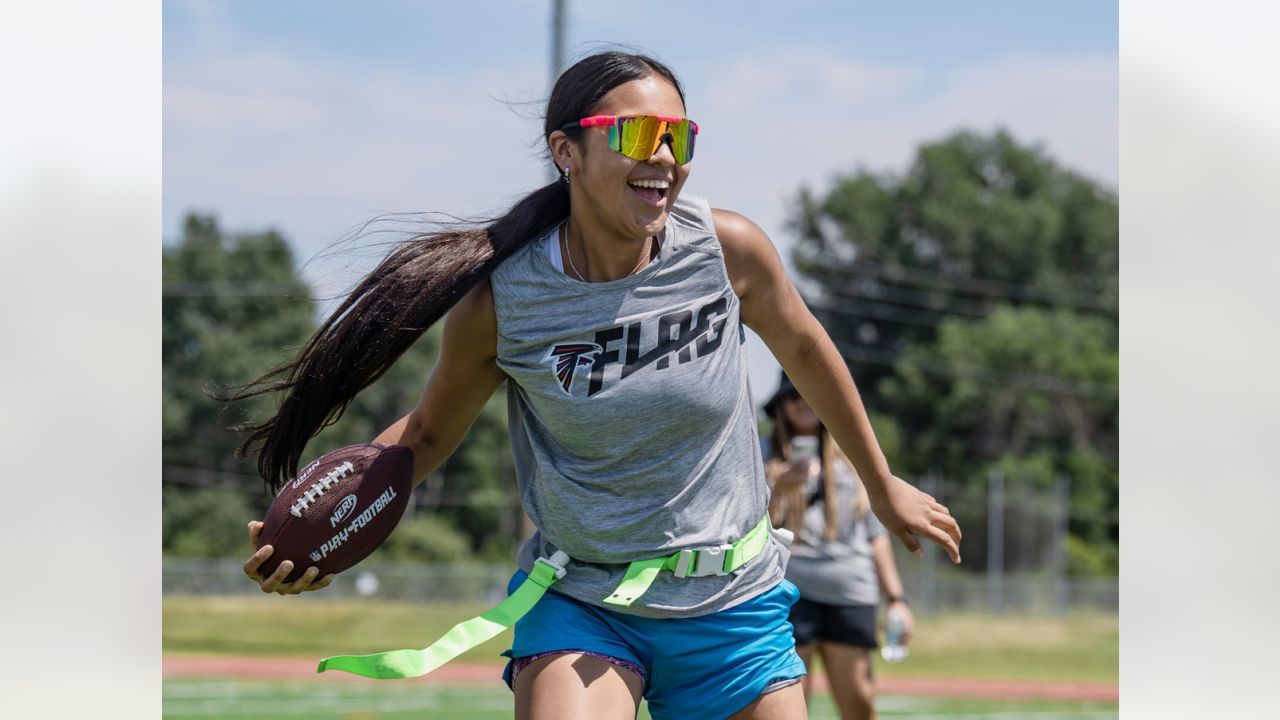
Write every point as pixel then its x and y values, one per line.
pixel 656 226
pixel 645 225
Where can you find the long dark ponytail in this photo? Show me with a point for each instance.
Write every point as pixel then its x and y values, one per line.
pixel 414 286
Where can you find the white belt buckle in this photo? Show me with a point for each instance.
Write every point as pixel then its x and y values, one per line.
pixel 558 560
pixel 710 561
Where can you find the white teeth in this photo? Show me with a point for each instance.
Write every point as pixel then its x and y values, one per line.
pixel 657 184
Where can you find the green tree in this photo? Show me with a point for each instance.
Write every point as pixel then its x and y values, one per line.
pixel 975 300
pixel 235 307
pixel 205 522
pixel 424 538
pixel 473 492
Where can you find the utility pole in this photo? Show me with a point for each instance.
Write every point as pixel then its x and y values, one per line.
pixel 558 13
pixel 995 542
pixel 929 581
pixel 1062 516
pixel 557 38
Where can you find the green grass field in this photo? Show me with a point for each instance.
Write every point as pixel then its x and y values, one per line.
pixel 1074 648
pixel 212 699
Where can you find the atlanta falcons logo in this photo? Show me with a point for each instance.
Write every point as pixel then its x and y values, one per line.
pixel 567 358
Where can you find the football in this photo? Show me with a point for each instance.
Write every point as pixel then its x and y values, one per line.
pixel 339 509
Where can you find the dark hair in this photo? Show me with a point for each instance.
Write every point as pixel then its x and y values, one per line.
pixel 414 286
pixel 787 504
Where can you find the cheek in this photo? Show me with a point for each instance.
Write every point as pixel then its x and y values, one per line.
pixel 605 164
pixel 607 175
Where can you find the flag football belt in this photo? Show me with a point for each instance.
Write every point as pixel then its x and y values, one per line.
pixel 697 562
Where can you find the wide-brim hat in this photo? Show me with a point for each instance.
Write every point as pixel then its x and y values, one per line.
pixel 785 388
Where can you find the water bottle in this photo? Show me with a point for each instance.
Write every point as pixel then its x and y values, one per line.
pixel 895 625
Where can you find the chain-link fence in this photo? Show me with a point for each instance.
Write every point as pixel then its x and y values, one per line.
pixel 939 590
pixel 415 582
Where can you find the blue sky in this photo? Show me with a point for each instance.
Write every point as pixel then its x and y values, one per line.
pixel 933 35
pixel 311 117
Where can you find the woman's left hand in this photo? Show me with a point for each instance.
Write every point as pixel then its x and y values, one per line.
pixel 909 513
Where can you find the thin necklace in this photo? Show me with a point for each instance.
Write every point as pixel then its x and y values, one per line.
pixel 574 268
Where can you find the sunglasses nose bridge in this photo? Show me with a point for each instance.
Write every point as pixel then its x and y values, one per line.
pixel 665 140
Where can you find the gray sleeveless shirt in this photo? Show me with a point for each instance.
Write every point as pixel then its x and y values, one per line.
pixel 631 419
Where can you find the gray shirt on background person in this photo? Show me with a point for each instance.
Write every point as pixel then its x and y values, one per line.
pixel 840 571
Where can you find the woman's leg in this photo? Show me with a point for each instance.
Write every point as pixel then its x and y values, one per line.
pixel 806 654
pixel 849 672
pixel 785 704
pixel 569 686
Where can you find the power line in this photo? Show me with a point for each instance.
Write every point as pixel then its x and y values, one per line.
pixel 996 289
pixel 888 312
pixel 906 297
pixel 1044 383
pixel 204 478
pixel 236 289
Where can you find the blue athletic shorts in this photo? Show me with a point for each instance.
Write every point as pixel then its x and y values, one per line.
pixel 706 667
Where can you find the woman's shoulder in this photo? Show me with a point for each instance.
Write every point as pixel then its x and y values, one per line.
pixel 730 228
pixel 738 235
pixel 749 255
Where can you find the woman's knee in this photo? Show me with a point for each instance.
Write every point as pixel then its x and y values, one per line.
pixel 575 685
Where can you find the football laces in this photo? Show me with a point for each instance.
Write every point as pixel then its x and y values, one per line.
pixel 317 489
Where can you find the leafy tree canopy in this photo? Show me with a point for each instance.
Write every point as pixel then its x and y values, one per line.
pixel 975 299
pixel 234 308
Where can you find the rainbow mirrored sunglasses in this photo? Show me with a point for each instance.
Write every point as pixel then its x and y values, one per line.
pixel 639 136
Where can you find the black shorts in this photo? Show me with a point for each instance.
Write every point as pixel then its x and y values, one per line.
pixel 845 624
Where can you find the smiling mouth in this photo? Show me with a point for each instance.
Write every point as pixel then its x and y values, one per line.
pixel 653 192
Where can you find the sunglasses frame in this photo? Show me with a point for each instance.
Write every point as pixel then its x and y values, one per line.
pixel 615 136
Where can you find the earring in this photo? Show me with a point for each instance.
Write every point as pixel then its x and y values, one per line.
pixel 566 174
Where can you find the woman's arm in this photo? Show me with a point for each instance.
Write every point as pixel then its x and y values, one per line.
pixel 465 376
pixel 891 582
pixel 886 568
pixel 773 308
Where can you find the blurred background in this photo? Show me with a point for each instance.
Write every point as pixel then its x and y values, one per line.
pixel 942 187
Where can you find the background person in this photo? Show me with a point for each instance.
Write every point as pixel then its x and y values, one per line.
pixel 841 556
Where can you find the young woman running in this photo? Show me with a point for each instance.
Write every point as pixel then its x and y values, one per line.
pixel 841 556
pixel 612 306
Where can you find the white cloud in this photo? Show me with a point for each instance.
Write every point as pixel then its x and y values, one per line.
pixel 798 79
pixel 788 118
pixel 315 147
pixel 1069 103
pixel 761 146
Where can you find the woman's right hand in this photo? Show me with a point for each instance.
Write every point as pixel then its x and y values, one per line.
pixel 275 583
pixel 910 514
pixel 795 476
